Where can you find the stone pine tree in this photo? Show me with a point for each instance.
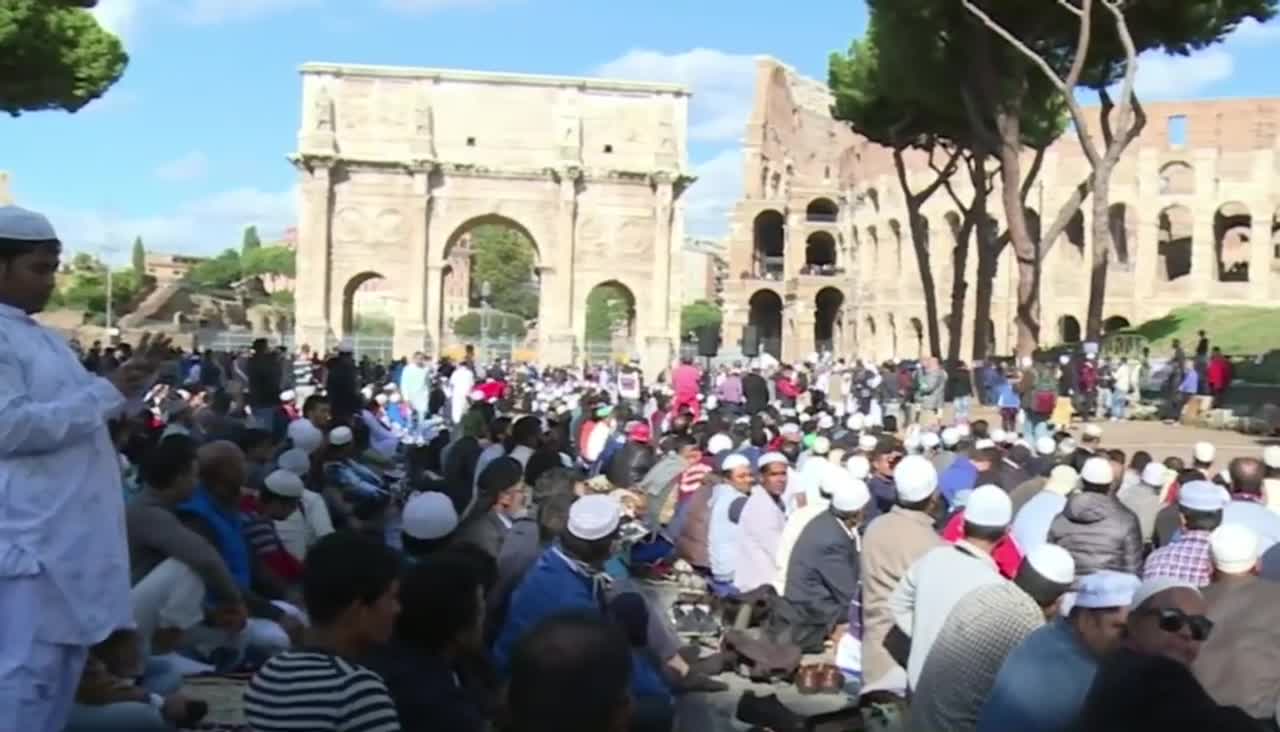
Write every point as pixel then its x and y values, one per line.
pixel 139 257
pixel 54 55
pixel 250 242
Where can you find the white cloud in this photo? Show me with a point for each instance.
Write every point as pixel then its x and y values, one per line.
pixel 431 6
pixel 711 198
pixel 1253 33
pixel 191 166
pixel 1180 77
pixel 117 16
pixel 723 85
pixel 211 12
pixel 202 226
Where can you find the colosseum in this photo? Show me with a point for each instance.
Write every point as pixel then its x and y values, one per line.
pixel 820 258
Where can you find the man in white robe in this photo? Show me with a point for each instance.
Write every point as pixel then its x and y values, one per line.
pixel 415 384
pixel 64 559
pixel 461 382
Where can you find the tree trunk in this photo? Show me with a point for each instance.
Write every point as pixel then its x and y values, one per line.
pixel 988 259
pixel 1102 246
pixel 959 287
pixel 920 243
pixel 1025 248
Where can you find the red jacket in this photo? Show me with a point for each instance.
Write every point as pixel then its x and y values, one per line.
pixel 1219 373
pixel 1006 552
pixel 787 388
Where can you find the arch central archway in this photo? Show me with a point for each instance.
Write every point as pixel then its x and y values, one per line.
pixel 820 254
pixel 610 328
pixel 365 308
pixel 828 323
pixel 499 251
pixel 765 315
pixel 769 245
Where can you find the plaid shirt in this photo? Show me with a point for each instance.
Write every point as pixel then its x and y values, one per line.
pixel 1186 558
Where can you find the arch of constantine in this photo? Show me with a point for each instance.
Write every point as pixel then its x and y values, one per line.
pixel 821 258
pixel 397 165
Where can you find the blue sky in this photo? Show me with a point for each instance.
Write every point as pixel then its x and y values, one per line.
pixel 190 146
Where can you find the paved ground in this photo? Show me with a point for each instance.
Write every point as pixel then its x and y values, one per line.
pixel 1163 440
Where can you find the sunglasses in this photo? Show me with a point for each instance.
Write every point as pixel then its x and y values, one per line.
pixel 1173 620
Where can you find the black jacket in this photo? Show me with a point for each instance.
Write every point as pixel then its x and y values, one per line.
pixel 756 391
pixel 630 464
pixel 264 379
pixel 822 573
pixel 343 388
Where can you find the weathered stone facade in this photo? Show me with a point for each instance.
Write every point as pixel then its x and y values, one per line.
pixel 396 165
pixel 1193 210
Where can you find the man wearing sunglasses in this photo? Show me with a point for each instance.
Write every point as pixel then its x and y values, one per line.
pixel 1147 683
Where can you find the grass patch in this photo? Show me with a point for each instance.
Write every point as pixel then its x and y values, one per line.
pixel 1236 329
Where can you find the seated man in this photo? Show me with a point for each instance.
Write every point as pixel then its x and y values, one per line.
pixel 110 698
pixel 300 530
pixel 277 499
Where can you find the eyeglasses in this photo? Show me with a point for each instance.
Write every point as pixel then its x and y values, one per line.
pixel 1173 620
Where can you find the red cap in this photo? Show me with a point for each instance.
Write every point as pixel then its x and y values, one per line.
pixel 640 432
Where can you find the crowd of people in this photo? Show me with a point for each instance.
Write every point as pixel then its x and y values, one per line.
pixel 437 545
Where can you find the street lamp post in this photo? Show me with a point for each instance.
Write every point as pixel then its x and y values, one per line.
pixel 108 250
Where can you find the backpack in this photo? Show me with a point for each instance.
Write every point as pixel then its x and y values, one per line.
pixel 1044 395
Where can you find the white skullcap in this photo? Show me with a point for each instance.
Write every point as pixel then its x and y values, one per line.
pixel 295 461
pixel 855 422
pixel 847 494
pixel 1045 445
pixel 1155 475
pixel 712 402
pixel 284 483
pixel 999 436
pixel 929 440
pixel 989 506
pixel 915 478
pixel 984 444
pixel 1204 452
pixel 1106 588
pixel 821 446
pixel 718 443
pixel 429 515
pixel 395 399
pixel 1025 361
pixel 1098 471
pixel 381 399
pixel 964 430
pixel 346 346
pixel 1153 586
pixel 1271 456
pixel 1201 495
pixel 950 436
pixel 1235 548
pixel 1067 446
pixel 826 422
pixel 867 443
pixel 790 429
pixel 340 436
pixel 367 392
pixel 594 517
pixel 23 225
pixel 1064 359
pixel 1005 438
pixel 1049 561
pixel 288 395
pixel 734 460
pixel 1062 480
pixel 859 467
pixel 769 458
pixel 388 388
pixel 1092 431
pixel 912 442
pixel 788 412
pixel 305 436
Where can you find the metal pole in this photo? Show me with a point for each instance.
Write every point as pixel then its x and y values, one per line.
pixel 485 291
pixel 108 302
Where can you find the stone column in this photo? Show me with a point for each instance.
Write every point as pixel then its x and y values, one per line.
pixel 312 285
pixel 1146 210
pixel 435 303
pixel 1204 265
pixel 658 347
pixel 411 326
pixel 1261 208
pixel 559 346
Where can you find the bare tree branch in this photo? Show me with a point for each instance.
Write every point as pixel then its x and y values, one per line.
pixel 1067 4
pixel 1021 47
pixel 1108 106
pixel 1033 172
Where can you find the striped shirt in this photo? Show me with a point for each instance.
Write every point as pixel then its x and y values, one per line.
pixel 314 691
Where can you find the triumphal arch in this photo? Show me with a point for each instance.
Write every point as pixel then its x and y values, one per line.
pixel 396 165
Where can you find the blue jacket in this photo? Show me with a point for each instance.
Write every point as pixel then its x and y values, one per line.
pixel 961 475
pixel 226 526
pixel 1052 660
pixel 552 586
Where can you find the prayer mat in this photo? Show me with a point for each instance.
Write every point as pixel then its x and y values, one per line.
pixel 225 696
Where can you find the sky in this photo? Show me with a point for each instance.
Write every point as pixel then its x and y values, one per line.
pixel 189 147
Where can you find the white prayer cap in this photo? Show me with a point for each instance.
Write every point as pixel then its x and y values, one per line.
pixel 1064 359
pixel 1045 445
pixel 989 506
pixel 821 446
pixel 718 443
pixel 284 483
pixel 305 436
pixel 1271 456
pixel 929 440
pixel 915 478
pixel 429 515
pixel 790 429
pixel 295 461
pixel 769 458
pixel 367 392
pixel 734 460
pixel 999 436
pixel 1048 560
pixel 1201 495
pixel 859 467
pixel 912 442
pixel 855 422
pixel 1155 475
pixel 1106 588
pixel 340 436
pixel 1063 480
pixel 950 436
pixel 1204 452
pixel 1153 586
pixel 867 443
pixel 964 430
pixel 389 387
pixel 712 402
pixel 1092 432
pixel 1098 471
pixel 395 399
pixel 288 395
pixel 847 494
pixel 984 444
pixel 1235 548
pixel 594 517
pixel 381 399
pixel 1067 446
pixel 346 346
pixel 789 412
pixel 23 225
pixel 826 422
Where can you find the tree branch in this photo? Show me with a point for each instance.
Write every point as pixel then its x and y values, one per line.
pixel 1108 106
pixel 942 176
pixel 1071 8
pixel 1033 172
pixel 1018 45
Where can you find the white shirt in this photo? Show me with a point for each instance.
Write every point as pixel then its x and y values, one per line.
pixel 62 534
pixel 722 533
pixel 461 382
pixel 306 526
pixel 413 384
pixel 382 440
pixel 762 522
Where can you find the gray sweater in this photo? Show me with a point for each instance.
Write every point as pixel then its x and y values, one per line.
pixel 156 534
